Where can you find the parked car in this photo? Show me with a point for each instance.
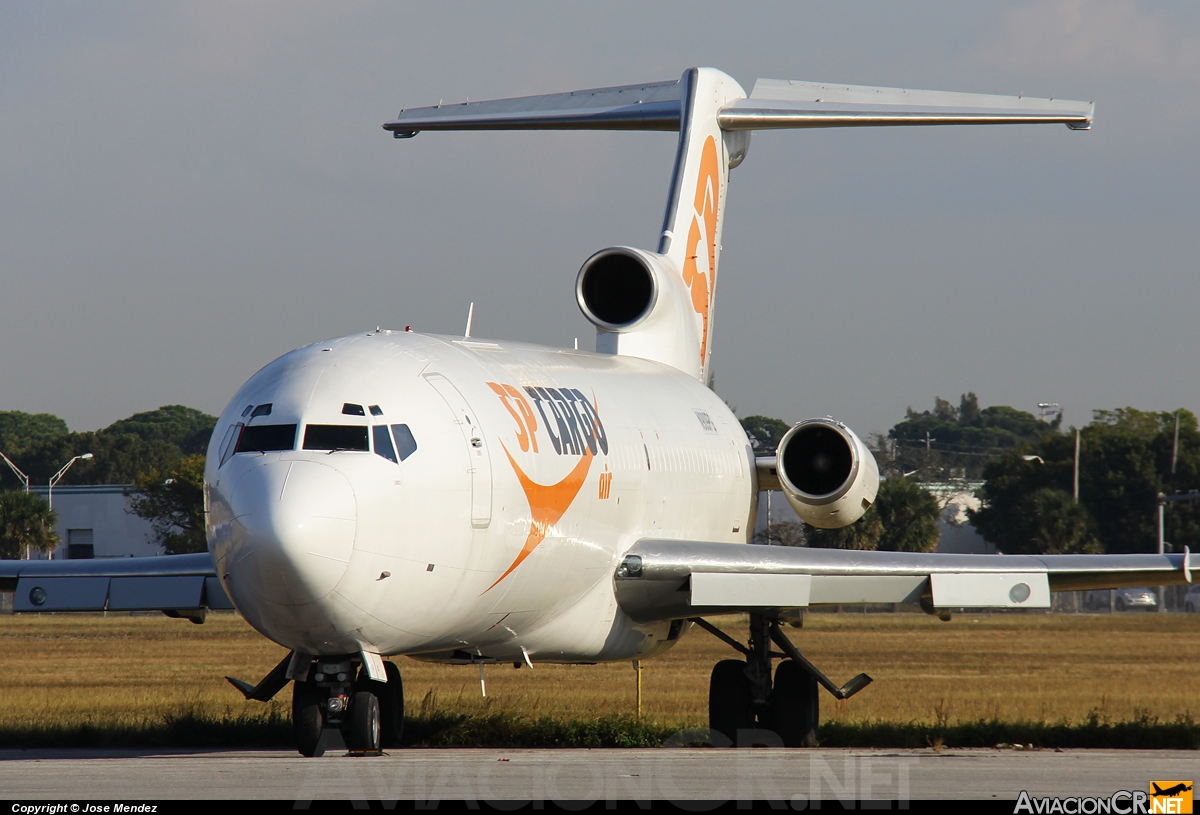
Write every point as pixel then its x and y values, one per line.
pixel 1191 600
pixel 1128 600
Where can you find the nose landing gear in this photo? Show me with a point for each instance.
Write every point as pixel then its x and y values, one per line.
pixel 332 695
pixel 743 702
pixel 332 692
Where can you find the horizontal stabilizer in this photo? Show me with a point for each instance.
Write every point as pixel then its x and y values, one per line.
pixel 652 106
pixel 773 104
pixel 781 103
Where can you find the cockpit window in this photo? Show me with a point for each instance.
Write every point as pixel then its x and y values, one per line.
pixel 336 437
pixel 229 443
pixel 267 437
pixel 376 410
pixel 353 410
pixel 262 410
pixel 406 445
pixel 383 443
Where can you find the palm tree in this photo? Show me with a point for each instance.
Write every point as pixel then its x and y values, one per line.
pixel 26 524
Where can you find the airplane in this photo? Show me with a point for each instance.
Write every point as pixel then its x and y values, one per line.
pixel 1170 792
pixel 475 501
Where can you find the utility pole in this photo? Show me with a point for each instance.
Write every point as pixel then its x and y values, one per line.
pixel 1163 500
pixel 1175 447
pixel 1077 465
pixel 1162 511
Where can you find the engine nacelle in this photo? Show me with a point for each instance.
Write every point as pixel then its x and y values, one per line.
pixel 828 475
pixel 640 306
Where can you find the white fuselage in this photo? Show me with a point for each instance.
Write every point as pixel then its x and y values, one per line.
pixel 534 470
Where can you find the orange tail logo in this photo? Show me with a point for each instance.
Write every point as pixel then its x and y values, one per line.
pixel 702 284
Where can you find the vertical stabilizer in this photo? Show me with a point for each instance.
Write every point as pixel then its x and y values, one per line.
pixel 691 233
pixel 659 305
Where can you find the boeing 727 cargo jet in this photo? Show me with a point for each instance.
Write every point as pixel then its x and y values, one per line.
pixel 463 500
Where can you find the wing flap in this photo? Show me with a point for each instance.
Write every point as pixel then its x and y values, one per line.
pixel 1006 590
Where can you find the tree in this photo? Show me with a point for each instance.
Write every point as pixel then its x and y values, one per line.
pixel 173 503
pixel 21 430
pixel 904 518
pixel 862 534
pixel 783 533
pixel 950 441
pixel 26 523
pixel 765 433
pixel 1125 461
pixel 184 427
pixel 119 458
pixel 908 515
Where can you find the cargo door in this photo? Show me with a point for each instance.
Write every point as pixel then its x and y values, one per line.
pixel 480 466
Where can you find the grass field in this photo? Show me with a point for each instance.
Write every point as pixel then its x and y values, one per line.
pixel 87 675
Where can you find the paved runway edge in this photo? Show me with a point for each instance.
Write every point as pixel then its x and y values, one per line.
pixel 794 776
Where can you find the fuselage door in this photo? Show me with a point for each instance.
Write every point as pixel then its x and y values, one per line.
pixel 477 449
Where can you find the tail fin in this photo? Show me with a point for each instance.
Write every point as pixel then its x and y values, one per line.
pixel 714 118
pixel 691 233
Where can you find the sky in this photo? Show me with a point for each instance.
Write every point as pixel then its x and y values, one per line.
pixel 188 191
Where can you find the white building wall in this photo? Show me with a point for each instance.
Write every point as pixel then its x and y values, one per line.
pixel 102 508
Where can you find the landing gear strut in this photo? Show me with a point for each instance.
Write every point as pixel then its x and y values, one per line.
pixel 333 694
pixel 741 696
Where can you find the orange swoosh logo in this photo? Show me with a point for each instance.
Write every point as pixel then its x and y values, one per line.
pixel 547 504
pixel 702 284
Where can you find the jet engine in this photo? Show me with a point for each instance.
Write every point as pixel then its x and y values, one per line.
pixel 617 288
pixel 640 306
pixel 828 475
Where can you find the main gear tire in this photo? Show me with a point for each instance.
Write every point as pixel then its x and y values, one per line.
pixel 730 699
pixel 795 705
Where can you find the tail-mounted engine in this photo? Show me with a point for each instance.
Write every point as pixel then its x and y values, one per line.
pixel 640 307
pixel 827 474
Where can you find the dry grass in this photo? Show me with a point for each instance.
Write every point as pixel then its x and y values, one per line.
pixel 123 671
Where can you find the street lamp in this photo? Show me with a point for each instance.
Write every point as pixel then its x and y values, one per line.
pixel 54 479
pixel 1045 406
pixel 24 478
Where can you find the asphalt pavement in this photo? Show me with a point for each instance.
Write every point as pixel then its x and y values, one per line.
pixel 798 777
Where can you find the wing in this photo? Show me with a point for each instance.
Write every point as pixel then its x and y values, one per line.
pixel 665 579
pixel 181 585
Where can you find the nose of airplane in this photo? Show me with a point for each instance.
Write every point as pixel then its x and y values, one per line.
pixel 296 521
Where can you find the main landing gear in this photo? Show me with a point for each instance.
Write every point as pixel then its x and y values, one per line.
pixel 335 692
pixel 742 699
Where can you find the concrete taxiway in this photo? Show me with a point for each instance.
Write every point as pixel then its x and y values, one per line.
pixel 795 776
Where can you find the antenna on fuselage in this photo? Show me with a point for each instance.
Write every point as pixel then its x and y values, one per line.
pixel 470 318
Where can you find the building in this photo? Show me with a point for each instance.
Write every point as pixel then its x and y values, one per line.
pixel 95 522
pixel 958 536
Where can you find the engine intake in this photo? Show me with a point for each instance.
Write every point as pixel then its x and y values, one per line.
pixel 828 475
pixel 616 288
